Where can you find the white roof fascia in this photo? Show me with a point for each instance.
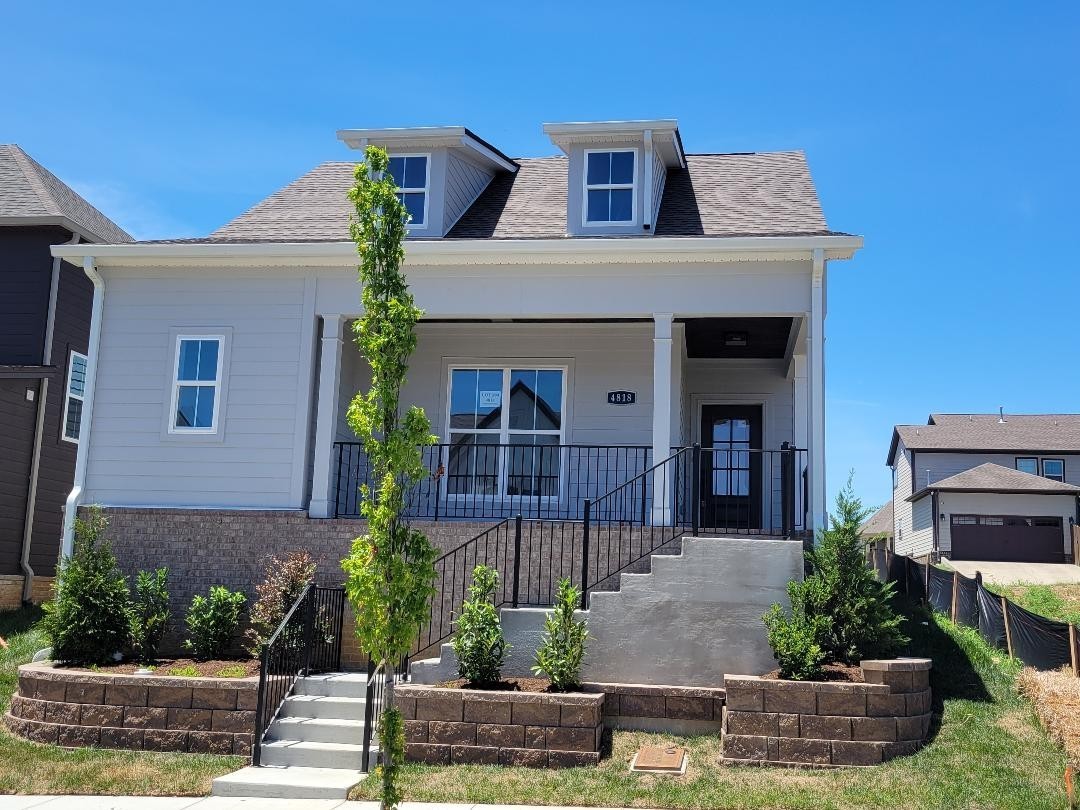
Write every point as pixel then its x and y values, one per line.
pixel 424 137
pixel 654 249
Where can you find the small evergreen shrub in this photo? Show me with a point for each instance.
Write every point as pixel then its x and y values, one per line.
pixel 212 622
pixel 286 577
pixel 793 638
pixel 89 619
pixel 478 639
pixel 563 649
pixel 150 613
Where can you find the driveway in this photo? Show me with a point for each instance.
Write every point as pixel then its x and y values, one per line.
pixel 1006 573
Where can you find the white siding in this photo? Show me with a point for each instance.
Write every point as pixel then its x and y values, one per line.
pixel 659 180
pixel 921 537
pixel 963 503
pixel 258 459
pixel 464 182
pixel 903 542
pixel 943 465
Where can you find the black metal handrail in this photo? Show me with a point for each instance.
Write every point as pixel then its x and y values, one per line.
pixel 373 703
pixel 471 480
pixel 307 640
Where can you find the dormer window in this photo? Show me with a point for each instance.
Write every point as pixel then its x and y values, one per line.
pixel 410 172
pixel 610 193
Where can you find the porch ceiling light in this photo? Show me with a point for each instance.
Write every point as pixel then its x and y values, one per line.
pixel 736 339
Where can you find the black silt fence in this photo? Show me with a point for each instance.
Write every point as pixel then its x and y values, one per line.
pixel 916 580
pixel 1037 641
pixel 941 590
pixel 967 602
pixel 898 570
pixel 991 619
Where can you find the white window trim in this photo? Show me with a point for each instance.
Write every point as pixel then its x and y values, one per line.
pixel 216 384
pixel 586 188
pixel 413 190
pixel 504 431
pixel 68 396
pixel 1042 467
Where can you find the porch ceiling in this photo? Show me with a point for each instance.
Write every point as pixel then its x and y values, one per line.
pixel 751 338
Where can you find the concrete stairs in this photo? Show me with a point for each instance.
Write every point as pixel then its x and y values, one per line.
pixel 314 748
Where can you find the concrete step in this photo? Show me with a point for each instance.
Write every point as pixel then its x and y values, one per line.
pixel 333 684
pixel 315 729
pixel 288 783
pixel 324 707
pixel 300 754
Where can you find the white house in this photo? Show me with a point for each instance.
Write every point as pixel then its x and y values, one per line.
pixel 991 487
pixel 586 315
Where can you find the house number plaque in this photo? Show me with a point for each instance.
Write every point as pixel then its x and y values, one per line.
pixel 621 397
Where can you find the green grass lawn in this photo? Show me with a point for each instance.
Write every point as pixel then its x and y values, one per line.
pixel 1061 602
pixel 987 750
pixel 27 767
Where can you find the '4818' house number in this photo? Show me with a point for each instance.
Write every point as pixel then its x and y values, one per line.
pixel 621 397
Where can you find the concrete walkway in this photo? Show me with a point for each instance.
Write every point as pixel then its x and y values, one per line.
pixel 1006 573
pixel 224 803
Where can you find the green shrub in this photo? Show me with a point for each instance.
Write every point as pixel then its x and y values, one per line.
pixel 233 671
pixel 793 638
pixel 149 613
pixel 212 622
pixel 478 638
pixel 88 621
pixel 187 671
pixel 563 649
pixel 286 577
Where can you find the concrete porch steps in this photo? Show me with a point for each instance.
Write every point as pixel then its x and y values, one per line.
pixel 314 748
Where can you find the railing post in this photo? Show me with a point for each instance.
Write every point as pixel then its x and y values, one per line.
pixel 260 707
pixel 695 490
pixel 644 484
pixel 585 553
pixel 517 557
pixel 309 629
pixel 787 489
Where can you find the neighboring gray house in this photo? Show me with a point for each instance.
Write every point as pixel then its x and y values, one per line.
pixel 987 486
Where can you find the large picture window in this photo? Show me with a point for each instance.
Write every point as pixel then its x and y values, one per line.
pixel 73 403
pixel 505 428
pixel 196 384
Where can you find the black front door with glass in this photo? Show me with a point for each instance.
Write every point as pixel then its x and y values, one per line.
pixel 730 470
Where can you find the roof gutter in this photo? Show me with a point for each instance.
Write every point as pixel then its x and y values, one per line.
pixel 71 505
pixel 39 430
pixel 476 251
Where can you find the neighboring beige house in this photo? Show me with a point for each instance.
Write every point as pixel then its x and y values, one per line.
pixel 879 525
pixel 987 486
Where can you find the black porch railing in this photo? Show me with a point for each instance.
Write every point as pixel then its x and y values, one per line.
pixel 307 640
pixel 471 480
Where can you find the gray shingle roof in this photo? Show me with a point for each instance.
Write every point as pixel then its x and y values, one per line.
pixel 759 194
pixel 995 478
pixel 1036 433
pixel 29 191
pixel 880 523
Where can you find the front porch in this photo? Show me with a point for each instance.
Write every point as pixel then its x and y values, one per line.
pixel 543 418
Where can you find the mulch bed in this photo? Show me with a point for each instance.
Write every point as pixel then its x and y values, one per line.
pixel 848 673
pixel 505 685
pixel 168 666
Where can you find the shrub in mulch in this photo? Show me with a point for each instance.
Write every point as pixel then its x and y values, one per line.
pixel 1056 696
pixel 504 685
pixel 184 667
pixel 846 673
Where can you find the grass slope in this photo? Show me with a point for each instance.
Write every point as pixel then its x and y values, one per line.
pixel 32 768
pixel 1061 602
pixel 987 750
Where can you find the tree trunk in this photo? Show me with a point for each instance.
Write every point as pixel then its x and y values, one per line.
pixel 386 752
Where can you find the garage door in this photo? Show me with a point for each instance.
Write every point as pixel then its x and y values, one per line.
pixel 1008 538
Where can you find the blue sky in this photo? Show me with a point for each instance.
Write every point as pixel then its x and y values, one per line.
pixel 945 133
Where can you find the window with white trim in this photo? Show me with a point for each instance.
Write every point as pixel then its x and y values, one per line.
pixel 1028 465
pixel 505 428
pixel 610 193
pixel 73 402
pixel 196 384
pixel 410 172
pixel 1054 469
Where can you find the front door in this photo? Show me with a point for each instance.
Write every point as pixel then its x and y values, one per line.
pixel 730 469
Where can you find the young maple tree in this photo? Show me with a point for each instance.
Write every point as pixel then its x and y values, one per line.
pixel 389 571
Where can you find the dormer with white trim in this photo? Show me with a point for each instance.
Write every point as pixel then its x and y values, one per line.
pixel 440 171
pixel 617 171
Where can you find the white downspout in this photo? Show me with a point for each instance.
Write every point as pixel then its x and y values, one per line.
pixel 39 429
pixel 71 505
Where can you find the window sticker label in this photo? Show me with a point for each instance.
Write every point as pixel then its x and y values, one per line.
pixel 490 399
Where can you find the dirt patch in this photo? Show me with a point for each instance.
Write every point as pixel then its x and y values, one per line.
pixel 848 673
pixel 505 685
pixel 1056 695
pixel 182 667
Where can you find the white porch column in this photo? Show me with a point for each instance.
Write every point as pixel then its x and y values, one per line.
pixel 816 385
pixel 663 383
pixel 322 481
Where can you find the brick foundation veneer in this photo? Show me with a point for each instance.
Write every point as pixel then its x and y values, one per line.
pixel 11 590
pixel 670 709
pixel 143 712
pixel 477 727
pixel 829 723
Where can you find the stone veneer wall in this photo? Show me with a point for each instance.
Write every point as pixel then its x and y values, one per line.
pixel 829 723
pixel 471 726
pixel 143 712
pixel 669 709
pixel 205 547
